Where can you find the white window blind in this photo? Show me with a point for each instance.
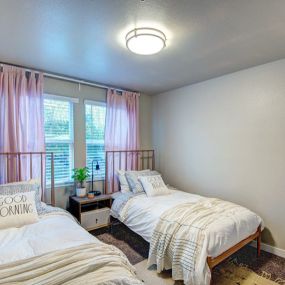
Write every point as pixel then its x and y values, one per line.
pixel 95 113
pixel 58 122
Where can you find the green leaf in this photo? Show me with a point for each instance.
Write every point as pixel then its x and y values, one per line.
pixel 80 174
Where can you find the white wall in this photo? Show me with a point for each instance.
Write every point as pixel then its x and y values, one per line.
pixel 225 138
pixel 64 88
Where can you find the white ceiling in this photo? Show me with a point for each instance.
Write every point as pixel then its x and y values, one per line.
pixel 85 38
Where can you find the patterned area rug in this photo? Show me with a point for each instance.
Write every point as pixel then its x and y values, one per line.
pixel 232 274
pixel 228 274
pixel 243 268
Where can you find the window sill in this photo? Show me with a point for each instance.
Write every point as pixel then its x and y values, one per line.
pixel 72 184
pixel 95 180
pixel 60 185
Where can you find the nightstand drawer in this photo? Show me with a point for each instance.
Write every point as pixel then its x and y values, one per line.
pixel 95 219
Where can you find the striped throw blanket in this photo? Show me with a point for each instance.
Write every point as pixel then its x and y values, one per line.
pixel 88 264
pixel 179 239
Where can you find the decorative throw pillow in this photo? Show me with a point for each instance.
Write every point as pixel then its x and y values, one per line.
pixel 154 185
pixel 23 187
pixel 133 179
pixel 18 210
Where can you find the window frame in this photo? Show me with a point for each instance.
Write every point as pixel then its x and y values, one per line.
pixel 70 141
pixel 100 104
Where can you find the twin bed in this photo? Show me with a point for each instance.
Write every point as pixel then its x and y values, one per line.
pixel 188 233
pixel 56 249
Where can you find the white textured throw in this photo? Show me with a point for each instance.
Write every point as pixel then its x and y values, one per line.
pixel 94 263
pixel 179 239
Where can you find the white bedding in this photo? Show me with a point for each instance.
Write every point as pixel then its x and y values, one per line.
pixel 141 214
pixel 54 231
pixel 57 250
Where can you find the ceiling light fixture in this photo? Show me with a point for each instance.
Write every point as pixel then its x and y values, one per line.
pixel 145 41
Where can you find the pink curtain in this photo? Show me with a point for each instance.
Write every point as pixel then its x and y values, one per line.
pixel 21 121
pixel 122 129
pixel 122 121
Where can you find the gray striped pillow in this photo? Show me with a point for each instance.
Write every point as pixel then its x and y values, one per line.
pixel 22 187
pixel 133 179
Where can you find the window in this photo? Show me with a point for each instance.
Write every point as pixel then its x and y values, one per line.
pixel 58 122
pixel 95 113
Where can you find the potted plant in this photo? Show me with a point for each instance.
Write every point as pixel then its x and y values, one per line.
pixel 79 176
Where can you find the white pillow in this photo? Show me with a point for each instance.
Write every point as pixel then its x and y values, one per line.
pixel 154 185
pixel 124 186
pixel 18 210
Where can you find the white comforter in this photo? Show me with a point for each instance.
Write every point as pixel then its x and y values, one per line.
pixel 54 231
pixel 141 214
pixel 67 254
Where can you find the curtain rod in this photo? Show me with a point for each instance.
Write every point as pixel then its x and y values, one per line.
pixel 66 78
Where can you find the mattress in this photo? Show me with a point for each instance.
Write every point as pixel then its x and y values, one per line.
pixel 143 214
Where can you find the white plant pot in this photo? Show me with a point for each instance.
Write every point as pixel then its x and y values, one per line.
pixel 80 192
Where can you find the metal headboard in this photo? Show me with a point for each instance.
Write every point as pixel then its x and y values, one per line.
pixel 16 162
pixel 125 160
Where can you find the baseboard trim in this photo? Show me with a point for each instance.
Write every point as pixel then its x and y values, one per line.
pixel 271 249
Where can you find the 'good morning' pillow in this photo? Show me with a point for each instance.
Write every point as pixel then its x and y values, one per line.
pixel 18 210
